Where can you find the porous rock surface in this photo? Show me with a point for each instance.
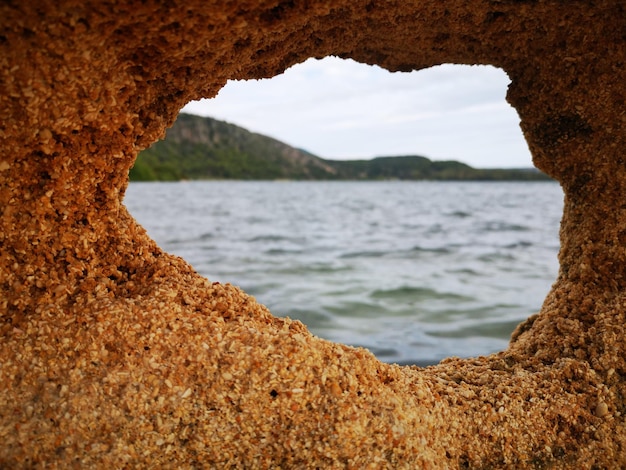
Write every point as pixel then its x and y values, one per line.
pixel 115 354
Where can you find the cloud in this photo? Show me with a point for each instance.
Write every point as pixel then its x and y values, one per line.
pixel 341 109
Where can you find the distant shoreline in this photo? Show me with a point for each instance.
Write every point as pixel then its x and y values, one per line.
pixel 282 180
pixel 201 148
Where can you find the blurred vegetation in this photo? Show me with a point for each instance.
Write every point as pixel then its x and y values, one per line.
pixel 205 148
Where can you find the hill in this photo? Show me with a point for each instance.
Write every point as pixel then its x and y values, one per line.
pixel 205 148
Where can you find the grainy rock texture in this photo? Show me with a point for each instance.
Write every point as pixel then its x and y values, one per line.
pixel 115 354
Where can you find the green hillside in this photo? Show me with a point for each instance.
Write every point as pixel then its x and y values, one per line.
pixel 205 148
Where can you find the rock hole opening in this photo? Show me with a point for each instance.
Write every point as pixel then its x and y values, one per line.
pixel 415 271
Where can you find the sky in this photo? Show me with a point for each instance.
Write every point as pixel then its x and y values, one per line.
pixel 340 109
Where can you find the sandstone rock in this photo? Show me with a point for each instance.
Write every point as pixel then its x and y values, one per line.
pixel 114 353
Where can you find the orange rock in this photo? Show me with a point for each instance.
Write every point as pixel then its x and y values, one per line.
pixel 113 353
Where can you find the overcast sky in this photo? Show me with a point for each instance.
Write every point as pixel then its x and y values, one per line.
pixel 340 109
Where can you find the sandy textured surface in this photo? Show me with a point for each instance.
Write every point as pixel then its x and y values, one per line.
pixel 114 354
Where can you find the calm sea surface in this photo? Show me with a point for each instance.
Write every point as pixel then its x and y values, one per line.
pixel 413 271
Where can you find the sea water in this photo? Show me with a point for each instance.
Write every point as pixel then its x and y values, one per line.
pixel 412 271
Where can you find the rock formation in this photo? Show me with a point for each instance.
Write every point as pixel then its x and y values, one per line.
pixel 114 353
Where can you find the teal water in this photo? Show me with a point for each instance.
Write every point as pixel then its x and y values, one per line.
pixel 413 271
